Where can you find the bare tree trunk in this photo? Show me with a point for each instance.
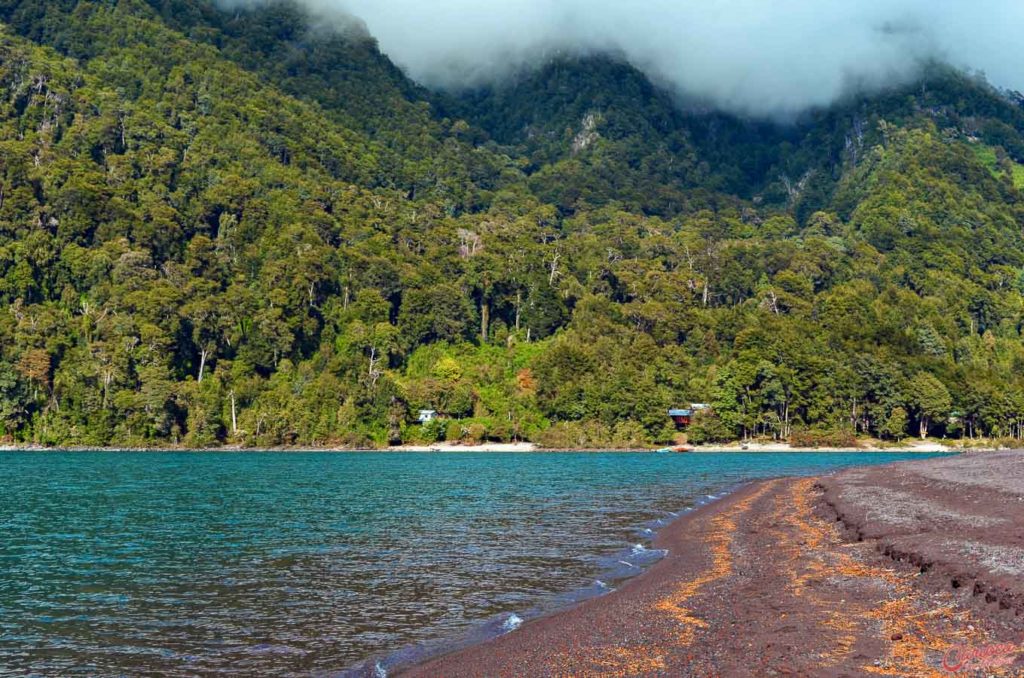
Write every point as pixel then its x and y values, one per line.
pixel 373 372
pixel 519 304
pixel 485 318
pixel 923 429
pixel 107 378
pixel 554 269
pixel 202 364
pixel 234 418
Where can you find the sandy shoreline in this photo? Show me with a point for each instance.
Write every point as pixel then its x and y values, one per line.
pixel 805 577
pixel 914 446
pixel 923 447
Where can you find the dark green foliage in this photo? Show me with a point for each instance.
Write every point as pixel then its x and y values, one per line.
pixel 232 228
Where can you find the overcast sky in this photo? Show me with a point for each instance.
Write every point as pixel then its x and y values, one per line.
pixel 752 56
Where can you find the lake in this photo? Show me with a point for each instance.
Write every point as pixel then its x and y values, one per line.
pixel 307 563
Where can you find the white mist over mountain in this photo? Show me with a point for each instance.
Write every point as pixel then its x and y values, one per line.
pixel 762 57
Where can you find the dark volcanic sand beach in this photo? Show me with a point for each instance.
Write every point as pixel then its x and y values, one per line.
pixel 880 571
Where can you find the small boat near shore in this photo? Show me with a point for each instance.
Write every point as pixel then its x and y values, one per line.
pixel 674 448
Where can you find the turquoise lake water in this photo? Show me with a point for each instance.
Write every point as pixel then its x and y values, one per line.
pixel 308 563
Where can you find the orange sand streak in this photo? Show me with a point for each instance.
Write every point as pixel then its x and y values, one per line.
pixel 909 635
pixel 810 554
pixel 917 634
pixel 720 539
pixel 624 662
pixel 628 661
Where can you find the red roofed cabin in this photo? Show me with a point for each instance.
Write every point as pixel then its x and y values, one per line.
pixel 684 417
pixel 681 417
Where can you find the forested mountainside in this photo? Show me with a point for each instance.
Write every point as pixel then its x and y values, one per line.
pixel 233 227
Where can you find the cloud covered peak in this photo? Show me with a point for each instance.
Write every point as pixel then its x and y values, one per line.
pixel 761 57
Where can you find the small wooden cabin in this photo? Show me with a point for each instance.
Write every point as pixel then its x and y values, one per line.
pixel 681 417
pixel 684 416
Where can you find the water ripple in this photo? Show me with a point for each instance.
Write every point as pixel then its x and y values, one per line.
pixel 181 564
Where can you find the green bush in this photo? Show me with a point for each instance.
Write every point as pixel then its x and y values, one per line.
pixel 476 433
pixel 707 427
pixel 593 435
pixel 843 438
pixel 453 431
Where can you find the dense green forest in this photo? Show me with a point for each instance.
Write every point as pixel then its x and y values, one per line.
pixel 232 228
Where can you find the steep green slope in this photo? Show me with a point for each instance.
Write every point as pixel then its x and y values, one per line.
pixel 342 73
pixel 222 228
pixel 157 203
pixel 332 62
pixel 596 130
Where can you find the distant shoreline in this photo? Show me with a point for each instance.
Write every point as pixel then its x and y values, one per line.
pixel 753 447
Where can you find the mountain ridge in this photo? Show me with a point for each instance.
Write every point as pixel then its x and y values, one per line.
pixel 229 228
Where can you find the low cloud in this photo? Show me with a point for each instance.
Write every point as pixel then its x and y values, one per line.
pixel 761 57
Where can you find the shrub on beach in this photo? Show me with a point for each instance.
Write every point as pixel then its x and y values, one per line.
pixel 453 432
pixel 823 438
pixel 590 435
pixel 707 427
